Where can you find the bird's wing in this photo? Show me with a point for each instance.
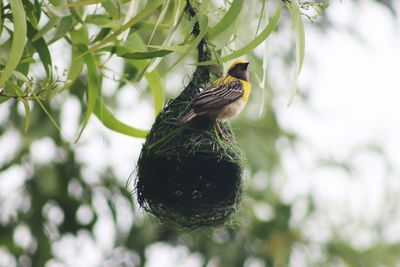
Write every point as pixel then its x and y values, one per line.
pixel 221 93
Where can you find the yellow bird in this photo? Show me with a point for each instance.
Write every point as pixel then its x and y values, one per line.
pixel 224 98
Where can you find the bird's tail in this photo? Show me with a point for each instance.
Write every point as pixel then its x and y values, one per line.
pixel 187 117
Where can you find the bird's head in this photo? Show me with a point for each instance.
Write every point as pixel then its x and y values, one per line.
pixel 238 69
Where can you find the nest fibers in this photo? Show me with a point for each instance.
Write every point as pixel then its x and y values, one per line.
pixel 187 175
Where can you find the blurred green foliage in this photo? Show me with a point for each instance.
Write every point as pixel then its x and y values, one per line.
pixel 60 198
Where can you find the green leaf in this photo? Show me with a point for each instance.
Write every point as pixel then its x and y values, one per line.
pixel 156 89
pixel 19 92
pixel 53 21
pixel 84 3
pixel 173 48
pixel 53 121
pixel 229 18
pixel 254 43
pixel 18 41
pixel 41 48
pixel 76 14
pixel 92 90
pixel 101 20
pixel 101 35
pixel 261 15
pixel 151 7
pixel 203 25
pixel 160 18
pixel 1 16
pixel 145 55
pixel 179 7
pixel 79 37
pixel 112 123
pixel 264 82
pixel 32 12
pixel 298 29
pixel 63 28
pixel 111 9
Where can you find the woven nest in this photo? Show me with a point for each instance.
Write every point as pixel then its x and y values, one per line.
pixel 187 175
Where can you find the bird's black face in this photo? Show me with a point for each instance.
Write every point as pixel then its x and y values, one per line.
pixel 240 71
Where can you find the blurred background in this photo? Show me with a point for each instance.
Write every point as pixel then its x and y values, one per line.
pixel 322 179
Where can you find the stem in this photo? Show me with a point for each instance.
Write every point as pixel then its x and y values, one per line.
pixel 202 73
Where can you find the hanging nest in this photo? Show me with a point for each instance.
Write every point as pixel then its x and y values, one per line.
pixel 187 175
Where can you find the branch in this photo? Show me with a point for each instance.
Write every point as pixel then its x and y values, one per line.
pixel 201 75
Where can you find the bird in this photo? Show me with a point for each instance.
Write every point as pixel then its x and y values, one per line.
pixel 224 98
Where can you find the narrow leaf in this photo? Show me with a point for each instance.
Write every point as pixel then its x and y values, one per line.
pixel 41 48
pixel 53 121
pixel 32 12
pixel 254 43
pixel 132 10
pixel 111 9
pixel 19 92
pixel 173 48
pixel 145 55
pixel 203 25
pixel 79 38
pixel 27 114
pixel 1 16
pixel 228 19
pixel 178 9
pixel 53 21
pixel 63 28
pixel 298 29
pixel 112 123
pixel 156 90
pixel 92 90
pixel 161 17
pixel 151 7
pixel 84 3
pixel 18 41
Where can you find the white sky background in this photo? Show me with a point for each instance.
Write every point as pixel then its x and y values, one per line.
pixel 355 99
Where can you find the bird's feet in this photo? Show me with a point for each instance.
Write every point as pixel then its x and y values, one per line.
pixel 224 136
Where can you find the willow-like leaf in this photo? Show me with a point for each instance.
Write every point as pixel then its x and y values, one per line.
pixel 111 9
pixel 254 43
pixel 112 123
pixel 156 89
pixel 53 121
pixel 32 12
pixel 160 18
pixel 63 28
pixel 1 16
pixel 177 11
pixel 25 102
pixel 80 38
pixel 182 48
pixel 84 3
pixel 228 19
pixel 27 114
pixel 18 41
pixel 146 55
pixel 264 81
pixel 298 29
pixel 53 21
pixel 132 10
pixel 92 90
pixel 264 2
pixel 150 8
pixel 203 25
pixel 41 48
